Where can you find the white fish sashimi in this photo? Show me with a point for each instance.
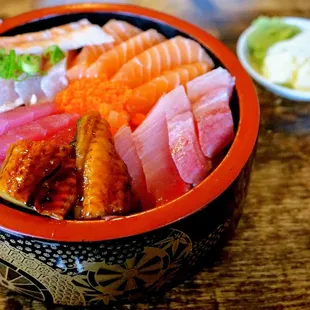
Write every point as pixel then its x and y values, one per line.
pixel 7 93
pixel 28 88
pixel 44 34
pixel 68 37
pixel 55 81
pixel 34 89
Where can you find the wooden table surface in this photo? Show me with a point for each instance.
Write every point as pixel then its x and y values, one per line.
pixel 267 264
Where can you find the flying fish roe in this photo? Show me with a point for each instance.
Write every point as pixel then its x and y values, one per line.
pixel 98 94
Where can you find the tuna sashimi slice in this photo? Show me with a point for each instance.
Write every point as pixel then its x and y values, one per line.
pixel 3 126
pixel 191 163
pixel 64 136
pixel 56 122
pixel 126 148
pixel 151 139
pixel 40 129
pixel 30 131
pixel 216 79
pixel 213 115
pixel 24 115
pixel 5 142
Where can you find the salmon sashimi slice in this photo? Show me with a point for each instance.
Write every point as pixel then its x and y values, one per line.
pixel 151 139
pixel 40 129
pixel 160 58
pixel 120 30
pixel 212 111
pixel 144 97
pixel 24 115
pixel 126 149
pixel 110 62
pixel 191 163
pixel 67 37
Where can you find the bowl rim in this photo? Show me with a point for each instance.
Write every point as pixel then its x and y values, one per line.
pixel 281 91
pixel 218 181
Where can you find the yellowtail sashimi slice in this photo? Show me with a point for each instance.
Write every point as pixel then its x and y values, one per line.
pixel 153 62
pixel 151 139
pixel 187 155
pixel 119 30
pixel 126 148
pixel 212 111
pixel 110 62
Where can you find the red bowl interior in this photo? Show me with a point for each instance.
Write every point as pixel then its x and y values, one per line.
pixel 227 171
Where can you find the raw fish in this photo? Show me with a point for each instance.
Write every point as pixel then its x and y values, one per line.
pixel 126 148
pixel 118 29
pixel 151 139
pixel 191 163
pixel 144 97
pixel 23 115
pixel 33 89
pixel 167 55
pixel 212 111
pixel 218 78
pixel 7 95
pixel 110 62
pixel 68 37
pixel 40 129
pixel 55 81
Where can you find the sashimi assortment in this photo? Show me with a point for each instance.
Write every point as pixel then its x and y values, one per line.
pixel 120 31
pixel 97 122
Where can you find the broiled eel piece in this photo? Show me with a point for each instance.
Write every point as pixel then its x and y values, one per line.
pixel 26 164
pixel 40 175
pixel 58 194
pixel 105 182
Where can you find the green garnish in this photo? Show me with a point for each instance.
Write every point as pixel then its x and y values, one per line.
pixel 18 67
pixel 54 54
pixel 268 31
pixel 30 64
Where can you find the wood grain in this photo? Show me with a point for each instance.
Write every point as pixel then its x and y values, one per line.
pixel 267 264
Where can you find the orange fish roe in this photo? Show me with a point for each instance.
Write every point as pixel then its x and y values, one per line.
pixel 137 119
pixel 98 94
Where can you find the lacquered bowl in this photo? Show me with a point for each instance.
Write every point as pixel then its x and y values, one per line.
pixel 125 259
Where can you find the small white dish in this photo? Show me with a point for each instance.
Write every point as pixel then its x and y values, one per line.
pixel 242 52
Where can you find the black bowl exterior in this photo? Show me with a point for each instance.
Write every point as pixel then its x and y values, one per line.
pixel 121 270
